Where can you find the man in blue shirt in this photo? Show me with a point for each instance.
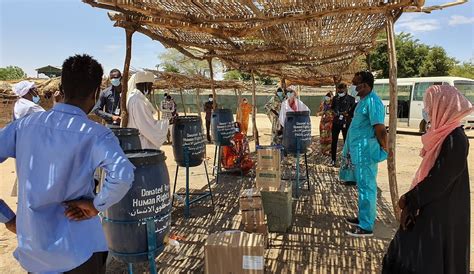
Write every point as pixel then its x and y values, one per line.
pixel 366 146
pixel 57 152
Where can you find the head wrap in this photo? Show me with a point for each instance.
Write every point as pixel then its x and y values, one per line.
pixel 23 87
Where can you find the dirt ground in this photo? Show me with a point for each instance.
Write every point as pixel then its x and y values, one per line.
pixel 316 242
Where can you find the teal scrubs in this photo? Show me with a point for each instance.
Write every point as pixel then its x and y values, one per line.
pixel 365 153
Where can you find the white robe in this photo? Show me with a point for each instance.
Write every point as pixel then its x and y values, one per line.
pixel 285 107
pixel 140 116
pixel 24 107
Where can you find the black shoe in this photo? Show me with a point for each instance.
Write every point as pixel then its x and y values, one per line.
pixel 352 221
pixel 349 183
pixel 359 232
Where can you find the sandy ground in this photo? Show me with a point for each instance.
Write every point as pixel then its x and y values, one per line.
pixel 407 162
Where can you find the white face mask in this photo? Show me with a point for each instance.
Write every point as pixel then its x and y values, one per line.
pixel 115 82
pixel 210 99
pixel 36 99
pixel 341 94
pixel 327 98
pixel 425 115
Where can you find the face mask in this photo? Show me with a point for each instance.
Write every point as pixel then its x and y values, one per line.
pixel 425 115
pixel 280 94
pixel 352 91
pixel 290 95
pixel 146 92
pixel 115 82
pixel 210 99
pixel 36 99
pixel 327 98
pixel 341 94
pixel 236 130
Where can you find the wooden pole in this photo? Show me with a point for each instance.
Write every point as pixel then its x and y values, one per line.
pixel 125 76
pixel 198 103
pixel 392 133
pixel 182 101
pixel 214 101
pixel 254 112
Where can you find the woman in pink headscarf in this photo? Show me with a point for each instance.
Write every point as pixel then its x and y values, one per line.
pixel 435 220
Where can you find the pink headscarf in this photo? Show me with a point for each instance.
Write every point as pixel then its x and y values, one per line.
pixel 446 108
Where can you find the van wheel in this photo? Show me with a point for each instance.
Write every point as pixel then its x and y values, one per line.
pixel 423 125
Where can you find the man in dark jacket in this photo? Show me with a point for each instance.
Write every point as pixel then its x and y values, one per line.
pixel 208 107
pixel 341 105
pixel 110 99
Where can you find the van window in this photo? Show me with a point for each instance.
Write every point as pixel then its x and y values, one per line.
pixel 466 88
pixel 420 89
pixel 382 91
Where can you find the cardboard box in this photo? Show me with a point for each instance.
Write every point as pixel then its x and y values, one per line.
pixel 234 252
pixel 269 158
pixel 255 216
pixel 278 206
pixel 267 178
pixel 250 199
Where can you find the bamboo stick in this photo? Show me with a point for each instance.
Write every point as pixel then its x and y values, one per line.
pixel 125 76
pixel 392 134
pixel 182 101
pixel 198 101
pixel 214 101
pixel 254 112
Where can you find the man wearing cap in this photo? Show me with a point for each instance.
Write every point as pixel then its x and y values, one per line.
pixel 141 111
pixel 341 105
pixel 29 99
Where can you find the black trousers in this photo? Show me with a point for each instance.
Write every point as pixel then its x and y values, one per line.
pixel 208 130
pixel 337 127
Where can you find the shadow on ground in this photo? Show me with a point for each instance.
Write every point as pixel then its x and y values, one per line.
pixel 316 242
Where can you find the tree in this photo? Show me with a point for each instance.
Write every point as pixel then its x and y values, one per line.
pixel 174 61
pixel 466 69
pixel 410 54
pixel 237 75
pixel 436 63
pixel 12 73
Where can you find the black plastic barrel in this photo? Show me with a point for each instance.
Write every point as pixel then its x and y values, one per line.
pixel 222 125
pixel 149 198
pixel 297 129
pixel 129 138
pixel 187 133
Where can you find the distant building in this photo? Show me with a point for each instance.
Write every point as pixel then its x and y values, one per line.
pixel 49 71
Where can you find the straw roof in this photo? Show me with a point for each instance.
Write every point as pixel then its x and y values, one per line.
pixel 291 39
pixel 171 80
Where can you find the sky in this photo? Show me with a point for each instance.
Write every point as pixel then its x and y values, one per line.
pixel 36 33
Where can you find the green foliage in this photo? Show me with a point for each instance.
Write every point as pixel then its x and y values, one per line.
pixel 466 69
pixel 170 68
pixel 233 75
pixel 174 61
pixel 414 59
pixel 12 73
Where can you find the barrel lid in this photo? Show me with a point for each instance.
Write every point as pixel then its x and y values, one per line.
pixel 145 156
pixel 187 119
pixel 222 110
pixel 298 113
pixel 124 131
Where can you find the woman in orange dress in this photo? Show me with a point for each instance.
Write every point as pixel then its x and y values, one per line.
pixel 236 156
pixel 243 114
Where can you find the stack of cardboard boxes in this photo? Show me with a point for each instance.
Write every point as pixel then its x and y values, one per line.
pixel 276 195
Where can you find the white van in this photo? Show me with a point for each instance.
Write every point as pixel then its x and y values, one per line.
pixel 410 97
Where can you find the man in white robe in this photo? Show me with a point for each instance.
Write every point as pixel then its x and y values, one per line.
pixel 29 99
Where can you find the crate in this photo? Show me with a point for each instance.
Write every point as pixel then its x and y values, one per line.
pixel 267 179
pixel 278 207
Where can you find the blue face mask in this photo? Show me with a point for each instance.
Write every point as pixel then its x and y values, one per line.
pixel 425 115
pixel 327 98
pixel 115 82
pixel 290 95
pixel 36 99
pixel 280 94
pixel 341 94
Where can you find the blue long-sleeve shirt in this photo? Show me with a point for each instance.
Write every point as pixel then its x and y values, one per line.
pixel 56 153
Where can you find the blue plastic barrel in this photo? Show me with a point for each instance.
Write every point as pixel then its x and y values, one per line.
pixel 297 129
pixel 222 125
pixel 187 132
pixel 129 138
pixel 125 223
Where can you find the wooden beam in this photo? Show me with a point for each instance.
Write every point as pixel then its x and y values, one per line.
pixel 182 100
pixel 254 112
pixel 214 96
pixel 125 76
pixel 392 134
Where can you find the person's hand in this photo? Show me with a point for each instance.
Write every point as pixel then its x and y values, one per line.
pixel 402 202
pixel 116 118
pixel 407 220
pixel 11 225
pixel 79 210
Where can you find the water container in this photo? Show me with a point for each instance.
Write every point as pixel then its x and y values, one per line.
pixel 149 198
pixel 222 125
pixel 129 138
pixel 187 133
pixel 297 129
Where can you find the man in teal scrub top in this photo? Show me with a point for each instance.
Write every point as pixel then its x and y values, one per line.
pixel 366 146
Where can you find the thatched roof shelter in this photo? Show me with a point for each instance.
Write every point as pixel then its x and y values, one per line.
pixel 171 80
pixel 284 38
